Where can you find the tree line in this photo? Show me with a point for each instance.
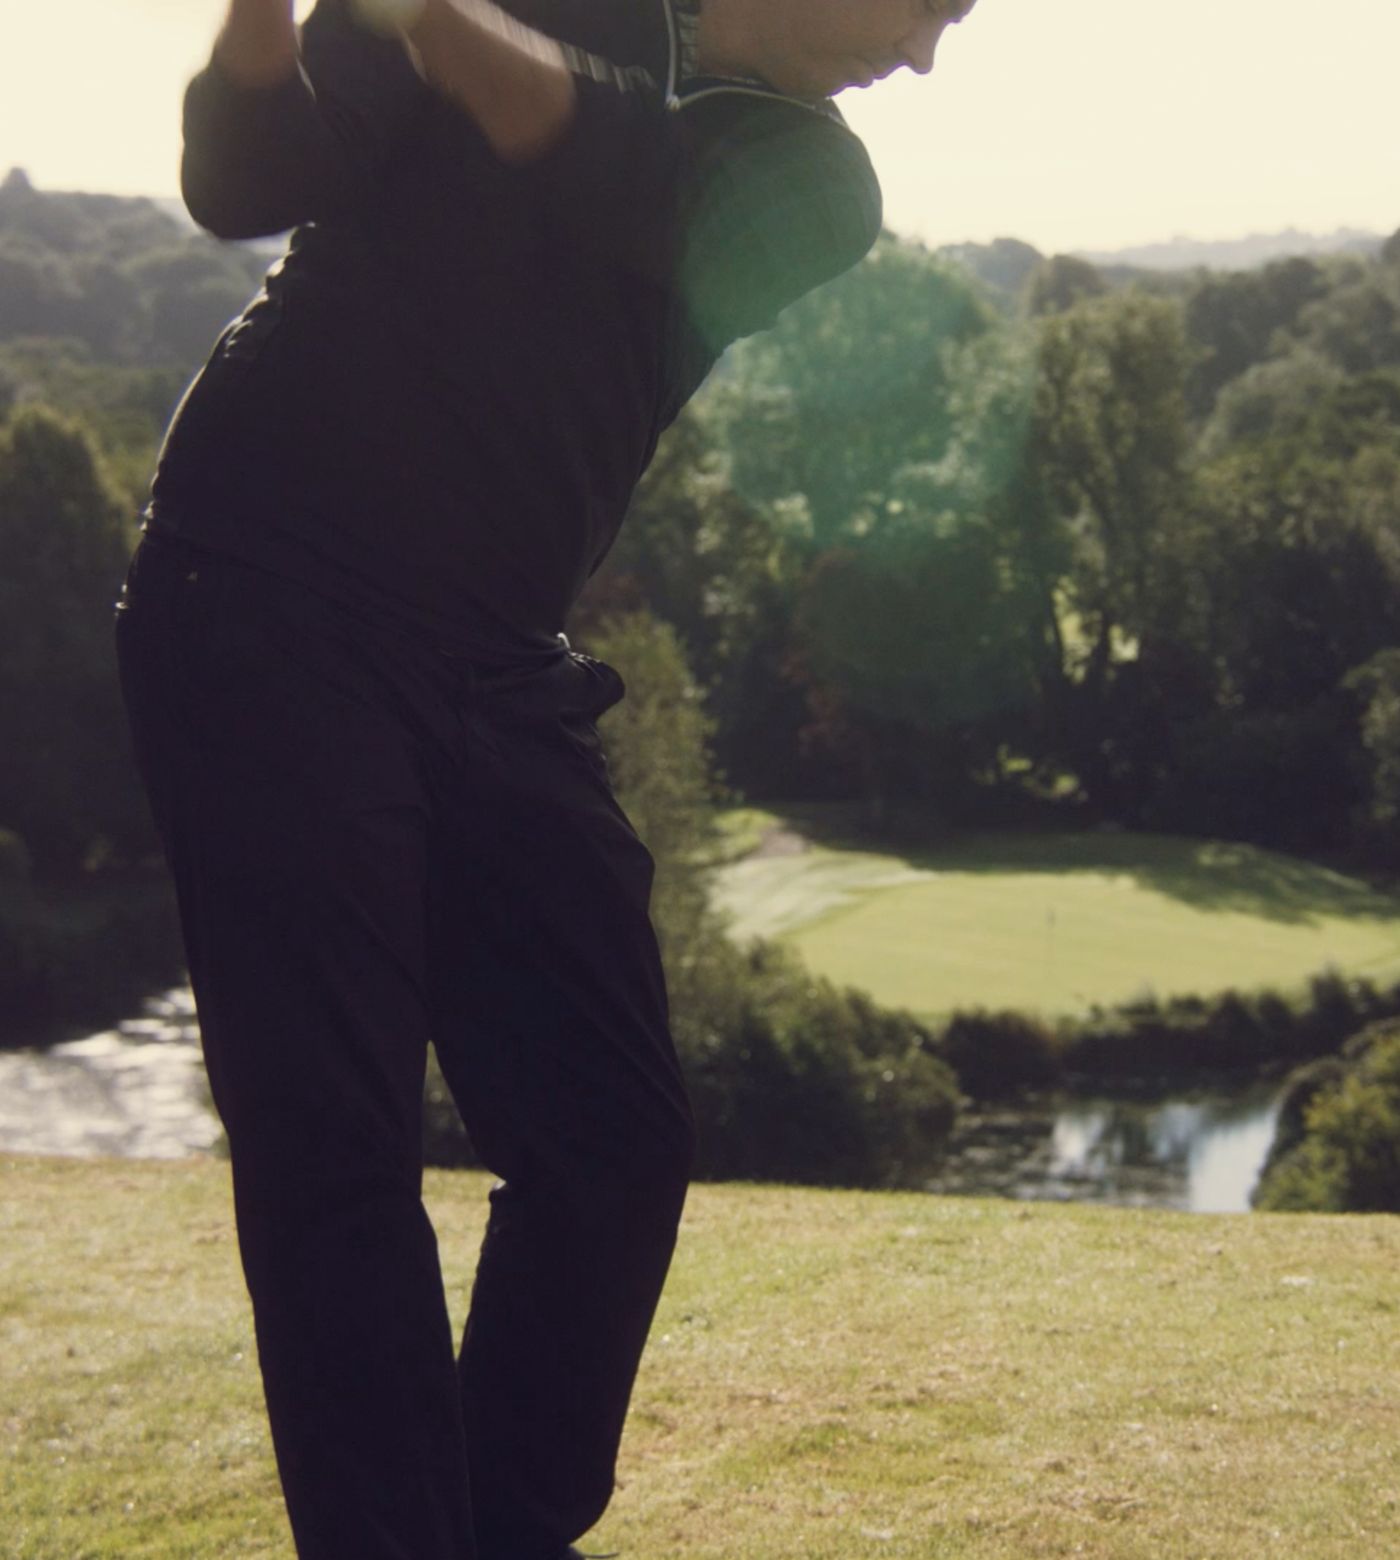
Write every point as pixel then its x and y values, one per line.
pixel 1120 552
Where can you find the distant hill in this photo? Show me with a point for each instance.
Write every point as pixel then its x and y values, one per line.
pixel 1235 254
pixel 1005 264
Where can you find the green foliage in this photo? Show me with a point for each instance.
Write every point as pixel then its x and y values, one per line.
pixel 1356 322
pixel 1347 1157
pixel 719 572
pixel 795 1080
pixel 123 407
pixel 83 957
pixel 996 1055
pixel 1270 777
pixel 118 275
pixel 850 388
pixel 659 763
pixel 887 618
pixel 1274 399
pixel 1234 319
pixel 1110 408
pixel 107 307
pixel 63 550
pixel 1059 283
pixel 999 1055
pixel 1377 682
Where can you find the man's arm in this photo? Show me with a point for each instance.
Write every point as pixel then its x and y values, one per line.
pixel 515 83
pixel 262 151
pixel 269 144
pixel 781 201
pixel 257 44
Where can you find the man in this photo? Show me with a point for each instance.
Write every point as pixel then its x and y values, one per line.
pixel 520 243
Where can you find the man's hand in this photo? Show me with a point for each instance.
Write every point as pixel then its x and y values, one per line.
pixel 257 45
pixel 512 81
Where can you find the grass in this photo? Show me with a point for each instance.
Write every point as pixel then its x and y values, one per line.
pixel 1056 922
pixel 832 1374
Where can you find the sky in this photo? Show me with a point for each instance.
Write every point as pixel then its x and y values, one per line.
pixel 1071 124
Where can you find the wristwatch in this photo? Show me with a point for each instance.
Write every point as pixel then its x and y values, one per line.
pixel 389 16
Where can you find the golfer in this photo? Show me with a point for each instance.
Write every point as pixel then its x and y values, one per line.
pixel 519 244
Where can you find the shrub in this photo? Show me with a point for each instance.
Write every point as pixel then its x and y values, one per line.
pixel 996 1055
pixel 85 961
pixel 1347 1159
pixel 1228 1032
pixel 806 1082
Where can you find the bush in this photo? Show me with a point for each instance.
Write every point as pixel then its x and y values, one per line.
pixel 84 961
pixel 1228 1032
pixel 1347 1159
pixel 63 785
pixel 808 1083
pixel 997 1055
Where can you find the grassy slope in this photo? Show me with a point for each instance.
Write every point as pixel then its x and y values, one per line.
pixel 1055 922
pixel 832 1375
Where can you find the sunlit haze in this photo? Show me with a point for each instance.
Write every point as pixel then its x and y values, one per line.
pixel 1090 124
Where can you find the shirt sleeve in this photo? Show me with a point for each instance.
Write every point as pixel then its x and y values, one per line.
pixel 779 200
pixel 259 160
pixel 738 205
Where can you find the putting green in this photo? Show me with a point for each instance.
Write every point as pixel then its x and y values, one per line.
pixel 1057 922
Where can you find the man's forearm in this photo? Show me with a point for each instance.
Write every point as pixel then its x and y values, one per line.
pixel 512 81
pixel 257 44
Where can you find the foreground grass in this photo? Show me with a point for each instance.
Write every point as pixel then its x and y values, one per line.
pixel 1056 922
pixel 832 1375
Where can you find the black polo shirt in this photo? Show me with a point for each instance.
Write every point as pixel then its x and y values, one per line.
pixel 440 402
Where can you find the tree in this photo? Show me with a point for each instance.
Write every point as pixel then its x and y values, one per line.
pixel 1234 321
pixel 1377 684
pixel 1111 435
pixel 1347 1157
pixel 63 785
pixel 1356 323
pixel 659 764
pixel 850 388
pixel 1275 399
pixel 1290 572
pixel 1059 283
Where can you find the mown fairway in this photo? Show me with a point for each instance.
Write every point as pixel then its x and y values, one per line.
pixel 832 1376
pixel 1057 922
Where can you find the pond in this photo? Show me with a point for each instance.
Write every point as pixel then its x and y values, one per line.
pixel 1200 1150
pixel 138 1091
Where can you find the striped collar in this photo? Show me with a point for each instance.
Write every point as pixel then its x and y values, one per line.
pixel 685 83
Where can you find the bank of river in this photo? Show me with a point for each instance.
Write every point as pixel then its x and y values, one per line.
pixel 138 1091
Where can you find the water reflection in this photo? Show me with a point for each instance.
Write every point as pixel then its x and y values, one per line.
pixel 136 1091
pixel 1201 1151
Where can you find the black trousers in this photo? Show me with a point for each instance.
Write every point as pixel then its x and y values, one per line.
pixel 376 847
